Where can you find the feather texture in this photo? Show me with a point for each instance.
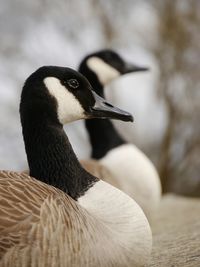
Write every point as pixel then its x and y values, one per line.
pixel 42 226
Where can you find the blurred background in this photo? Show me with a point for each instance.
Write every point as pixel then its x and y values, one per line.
pixel 163 35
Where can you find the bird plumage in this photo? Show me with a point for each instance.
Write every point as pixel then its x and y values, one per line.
pixel 42 226
pixel 64 216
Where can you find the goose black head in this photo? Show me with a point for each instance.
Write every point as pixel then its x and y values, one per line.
pixel 64 95
pixel 105 66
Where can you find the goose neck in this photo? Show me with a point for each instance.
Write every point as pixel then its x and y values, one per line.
pixel 52 160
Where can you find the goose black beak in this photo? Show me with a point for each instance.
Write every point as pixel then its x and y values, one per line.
pixel 128 68
pixel 103 109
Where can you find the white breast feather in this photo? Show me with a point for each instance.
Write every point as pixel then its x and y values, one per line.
pixel 136 176
pixel 123 217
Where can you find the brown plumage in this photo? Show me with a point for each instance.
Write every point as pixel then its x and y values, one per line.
pixel 42 226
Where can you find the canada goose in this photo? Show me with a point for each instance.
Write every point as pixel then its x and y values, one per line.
pixel 65 217
pixel 130 169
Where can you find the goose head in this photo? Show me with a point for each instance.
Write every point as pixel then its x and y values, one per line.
pixel 104 66
pixel 51 97
pixel 68 97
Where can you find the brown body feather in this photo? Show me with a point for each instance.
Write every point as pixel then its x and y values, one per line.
pixel 42 226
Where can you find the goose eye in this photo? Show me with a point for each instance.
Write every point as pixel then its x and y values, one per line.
pixel 73 83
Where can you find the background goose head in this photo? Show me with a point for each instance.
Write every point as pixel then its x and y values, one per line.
pixel 103 66
pixel 68 97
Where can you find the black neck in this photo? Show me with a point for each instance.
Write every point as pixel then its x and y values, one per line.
pixel 51 158
pixel 103 136
pixel 102 133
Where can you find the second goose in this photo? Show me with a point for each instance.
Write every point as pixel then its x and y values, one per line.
pixel 114 160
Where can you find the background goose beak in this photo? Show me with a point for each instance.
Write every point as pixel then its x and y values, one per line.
pixel 133 68
pixel 103 109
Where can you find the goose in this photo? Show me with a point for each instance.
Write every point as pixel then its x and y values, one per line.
pixel 125 165
pixel 61 215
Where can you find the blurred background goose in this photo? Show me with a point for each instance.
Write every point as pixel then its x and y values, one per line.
pixel 69 217
pixel 124 165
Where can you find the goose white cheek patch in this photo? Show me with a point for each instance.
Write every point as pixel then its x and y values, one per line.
pixel 104 71
pixel 69 108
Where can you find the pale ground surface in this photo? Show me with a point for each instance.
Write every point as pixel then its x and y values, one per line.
pixel 176 233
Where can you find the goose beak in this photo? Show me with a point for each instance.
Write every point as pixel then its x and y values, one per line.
pixel 103 109
pixel 128 68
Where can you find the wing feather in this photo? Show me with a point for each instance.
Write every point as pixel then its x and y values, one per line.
pixel 21 198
